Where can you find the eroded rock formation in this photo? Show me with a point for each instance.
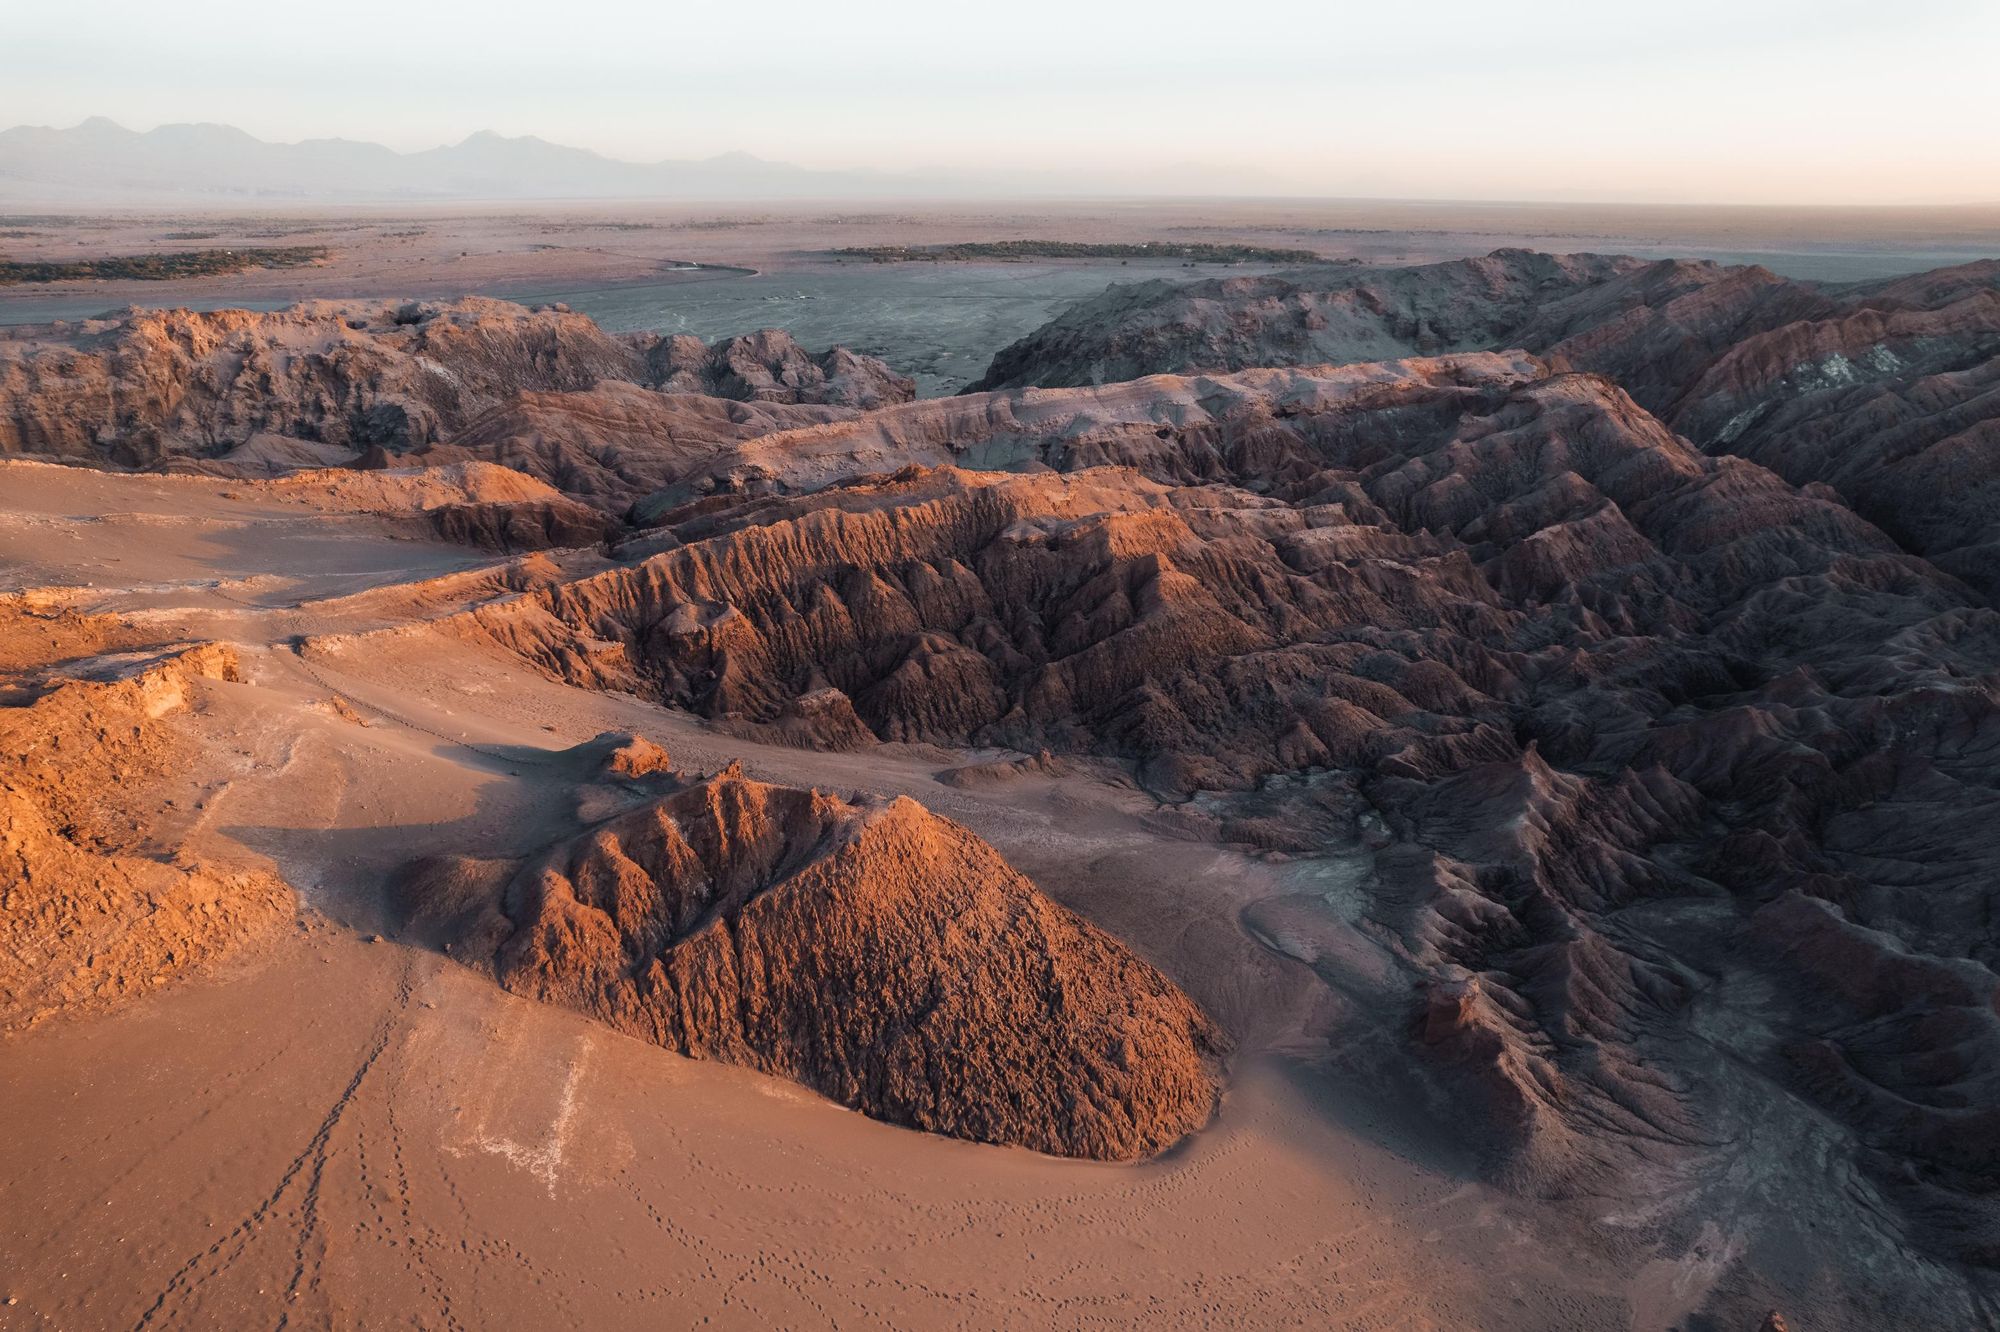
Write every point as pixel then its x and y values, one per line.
pixel 1885 391
pixel 1646 680
pixel 769 366
pixel 873 951
pixel 1323 316
pixel 146 386
pixel 615 444
pixel 86 916
pixel 1595 705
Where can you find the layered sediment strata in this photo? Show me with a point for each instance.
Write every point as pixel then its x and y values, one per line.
pixel 143 387
pixel 1884 391
pixel 880 954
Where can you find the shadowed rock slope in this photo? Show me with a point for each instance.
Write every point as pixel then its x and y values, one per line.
pixel 875 952
pixel 1311 317
pixel 1893 400
pixel 1614 724
pixel 1885 391
pixel 769 366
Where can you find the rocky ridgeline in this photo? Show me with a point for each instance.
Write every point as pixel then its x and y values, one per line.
pixel 1599 708
pixel 146 386
pixel 874 951
pixel 1648 666
pixel 1887 391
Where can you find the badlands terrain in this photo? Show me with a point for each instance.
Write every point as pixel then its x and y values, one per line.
pixel 717 270
pixel 1377 795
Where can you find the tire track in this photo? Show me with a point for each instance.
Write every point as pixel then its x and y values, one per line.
pixel 429 1280
pixel 185 1285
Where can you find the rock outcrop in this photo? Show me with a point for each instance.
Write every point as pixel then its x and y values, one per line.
pixel 1896 407
pixel 146 387
pixel 1885 391
pixel 1592 699
pixel 1334 315
pixel 875 952
pixel 1652 324
pixel 86 917
pixel 769 366
pixel 617 444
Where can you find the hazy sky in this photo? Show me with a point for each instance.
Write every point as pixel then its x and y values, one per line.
pixel 1852 101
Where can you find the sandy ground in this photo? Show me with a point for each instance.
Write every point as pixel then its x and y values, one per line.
pixel 364 1136
pixel 770 265
pixel 339 1132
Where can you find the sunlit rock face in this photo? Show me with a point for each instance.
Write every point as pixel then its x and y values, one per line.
pixel 875 952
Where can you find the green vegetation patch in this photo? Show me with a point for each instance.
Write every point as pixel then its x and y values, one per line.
pixel 160 267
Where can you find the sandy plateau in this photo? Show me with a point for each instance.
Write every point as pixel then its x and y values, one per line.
pixel 1456 795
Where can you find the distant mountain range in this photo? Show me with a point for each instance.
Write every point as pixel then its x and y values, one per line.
pixel 102 162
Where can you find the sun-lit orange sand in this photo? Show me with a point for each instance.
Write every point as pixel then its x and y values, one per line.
pixel 1410 792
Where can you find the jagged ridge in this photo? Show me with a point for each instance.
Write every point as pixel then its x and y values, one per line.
pixel 875 952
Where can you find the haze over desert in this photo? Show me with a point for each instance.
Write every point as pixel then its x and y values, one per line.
pixel 1003 710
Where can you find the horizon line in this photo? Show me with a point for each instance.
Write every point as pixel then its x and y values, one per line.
pixel 886 174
